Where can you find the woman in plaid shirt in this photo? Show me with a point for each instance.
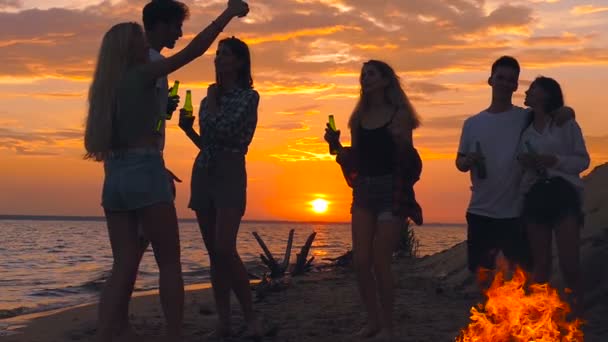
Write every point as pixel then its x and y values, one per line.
pixel 381 166
pixel 227 122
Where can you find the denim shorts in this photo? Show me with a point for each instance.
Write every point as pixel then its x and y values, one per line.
pixel 134 179
pixel 376 195
pixel 551 200
pixel 220 182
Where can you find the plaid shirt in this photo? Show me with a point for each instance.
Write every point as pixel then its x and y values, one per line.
pixel 407 167
pixel 231 127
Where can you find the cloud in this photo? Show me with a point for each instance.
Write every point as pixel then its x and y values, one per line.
pixel 300 111
pixel 285 126
pixel 588 9
pixel 335 4
pixel 6 4
pixel 420 87
pixel 291 87
pixel 40 142
pixel 445 122
pixel 566 38
pixel 306 37
pixel 45 95
pixel 305 149
pixel 311 32
pixel 329 51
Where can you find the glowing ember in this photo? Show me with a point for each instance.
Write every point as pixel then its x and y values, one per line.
pixel 512 315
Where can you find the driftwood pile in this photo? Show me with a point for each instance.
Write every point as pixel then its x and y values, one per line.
pixel 280 271
pixel 279 277
pixel 344 260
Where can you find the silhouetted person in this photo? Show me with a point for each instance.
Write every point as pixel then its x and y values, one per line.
pixel 381 166
pixel 553 158
pixel 227 121
pixel 120 131
pixel 163 21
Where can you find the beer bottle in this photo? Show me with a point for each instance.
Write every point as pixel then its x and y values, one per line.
pixel 172 93
pixel 481 163
pixel 188 103
pixel 167 116
pixel 174 89
pixel 540 172
pixel 332 124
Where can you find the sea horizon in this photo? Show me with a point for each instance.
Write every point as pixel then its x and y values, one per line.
pixel 27 217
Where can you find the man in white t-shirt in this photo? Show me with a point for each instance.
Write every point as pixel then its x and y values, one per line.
pixel 488 148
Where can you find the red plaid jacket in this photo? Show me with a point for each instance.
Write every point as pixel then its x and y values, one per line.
pixel 406 172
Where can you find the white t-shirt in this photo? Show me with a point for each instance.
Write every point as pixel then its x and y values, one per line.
pixel 498 195
pixel 162 89
pixel 566 143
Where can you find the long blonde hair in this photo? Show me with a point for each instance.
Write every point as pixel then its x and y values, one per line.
pixel 116 54
pixel 393 94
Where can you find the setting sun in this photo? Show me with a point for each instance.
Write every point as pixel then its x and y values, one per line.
pixel 319 205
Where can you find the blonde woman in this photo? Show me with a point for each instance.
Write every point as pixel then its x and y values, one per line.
pixel 120 131
pixel 381 166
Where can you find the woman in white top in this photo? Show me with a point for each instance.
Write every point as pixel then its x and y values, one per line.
pixel 553 157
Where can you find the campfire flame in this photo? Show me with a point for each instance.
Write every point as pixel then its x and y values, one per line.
pixel 512 314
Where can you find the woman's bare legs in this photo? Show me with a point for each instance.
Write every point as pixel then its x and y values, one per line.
pixel 385 242
pixel 233 271
pixel 220 230
pixel 567 238
pixel 159 223
pixel 540 245
pixel 207 225
pixel 116 293
pixel 124 327
pixel 363 229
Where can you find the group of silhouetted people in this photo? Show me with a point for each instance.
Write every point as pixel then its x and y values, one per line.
pixel 524 163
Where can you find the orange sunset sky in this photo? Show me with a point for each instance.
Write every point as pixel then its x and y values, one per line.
pixel 306 58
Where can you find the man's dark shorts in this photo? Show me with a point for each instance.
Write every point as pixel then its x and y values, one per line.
pixel 486 236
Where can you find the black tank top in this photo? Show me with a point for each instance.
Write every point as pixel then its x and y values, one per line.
pixel 375 151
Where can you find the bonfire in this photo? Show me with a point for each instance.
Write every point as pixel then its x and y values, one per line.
pixel 516 313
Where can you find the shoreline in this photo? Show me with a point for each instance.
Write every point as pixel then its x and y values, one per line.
pixel 10 325
pixel 319 306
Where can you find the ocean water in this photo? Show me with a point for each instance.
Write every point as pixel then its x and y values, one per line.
pixel 48 265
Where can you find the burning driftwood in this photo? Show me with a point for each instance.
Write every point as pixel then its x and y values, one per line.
pixel 514 313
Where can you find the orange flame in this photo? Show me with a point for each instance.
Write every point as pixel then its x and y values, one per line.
pixel 512 314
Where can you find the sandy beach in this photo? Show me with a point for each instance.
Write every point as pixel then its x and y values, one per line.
pixel 433 297
pixel 322 306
